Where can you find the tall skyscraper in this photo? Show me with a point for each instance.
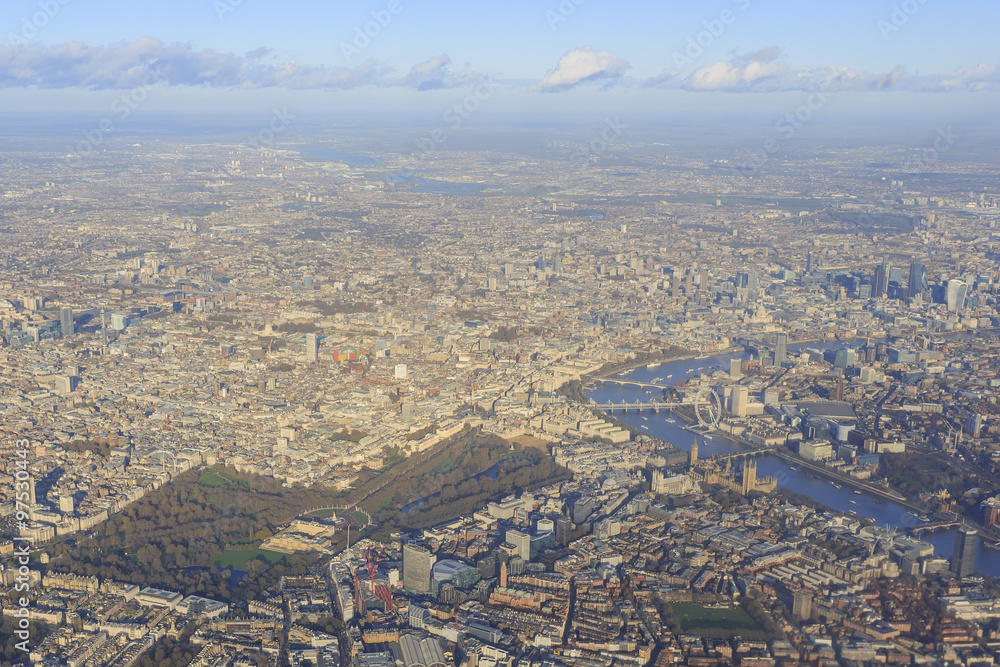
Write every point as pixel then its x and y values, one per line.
pixel 963 561
pixel 739 400
pixel 735 369
pixel 882 280
pixel 918 279
pixel 66 321
pixel 417 565
pixel 974 425
pixel 809 262
pixel 312 348
pixel 955 293
pixel 781 349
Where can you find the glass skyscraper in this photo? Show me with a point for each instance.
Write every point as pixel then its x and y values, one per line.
pixel 963 561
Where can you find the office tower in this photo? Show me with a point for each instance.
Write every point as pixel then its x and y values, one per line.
pixel 838 392
pixel 974 425
pixel 781 349
pixel 739 400
pixel 400 372
pixel 66 504
pixel 66 321
pixel 963 561
pixel 487 567
pixel 417 565
pixel 882 279
pixel 64 384
pixel 918 279
pixel 955 293
pixel 802 605
pixel 564 531
pixel 312 348
pixel 522 541
pixel 104 328
pixel 842 358
pixel 809 262
pixel 735 369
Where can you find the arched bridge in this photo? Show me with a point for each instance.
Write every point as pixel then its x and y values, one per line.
pixel 932 527
pixel 634 383
pixel 655 406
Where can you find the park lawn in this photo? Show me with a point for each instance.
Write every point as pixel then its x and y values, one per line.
pixel 360 518
pixel 216 479
pixel 696 617
pixel 238 560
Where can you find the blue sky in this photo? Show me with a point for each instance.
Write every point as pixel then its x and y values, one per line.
pixel 544 54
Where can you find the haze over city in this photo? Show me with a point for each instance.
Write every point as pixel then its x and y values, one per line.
pixel 570 333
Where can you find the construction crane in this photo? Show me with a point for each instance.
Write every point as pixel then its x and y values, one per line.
pixel 380 590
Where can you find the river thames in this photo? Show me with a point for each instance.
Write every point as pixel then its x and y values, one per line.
pixel 669 427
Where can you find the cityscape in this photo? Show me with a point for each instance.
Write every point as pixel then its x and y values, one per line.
pixel 306 375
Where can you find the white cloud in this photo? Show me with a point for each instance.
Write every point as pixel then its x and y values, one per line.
pixel 126 65
pixel 435 73
pixel 765 71
pixel 983 77
pixel 581 65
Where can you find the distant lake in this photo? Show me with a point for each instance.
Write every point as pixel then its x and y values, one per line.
pixel 337 156
pixel 433 186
